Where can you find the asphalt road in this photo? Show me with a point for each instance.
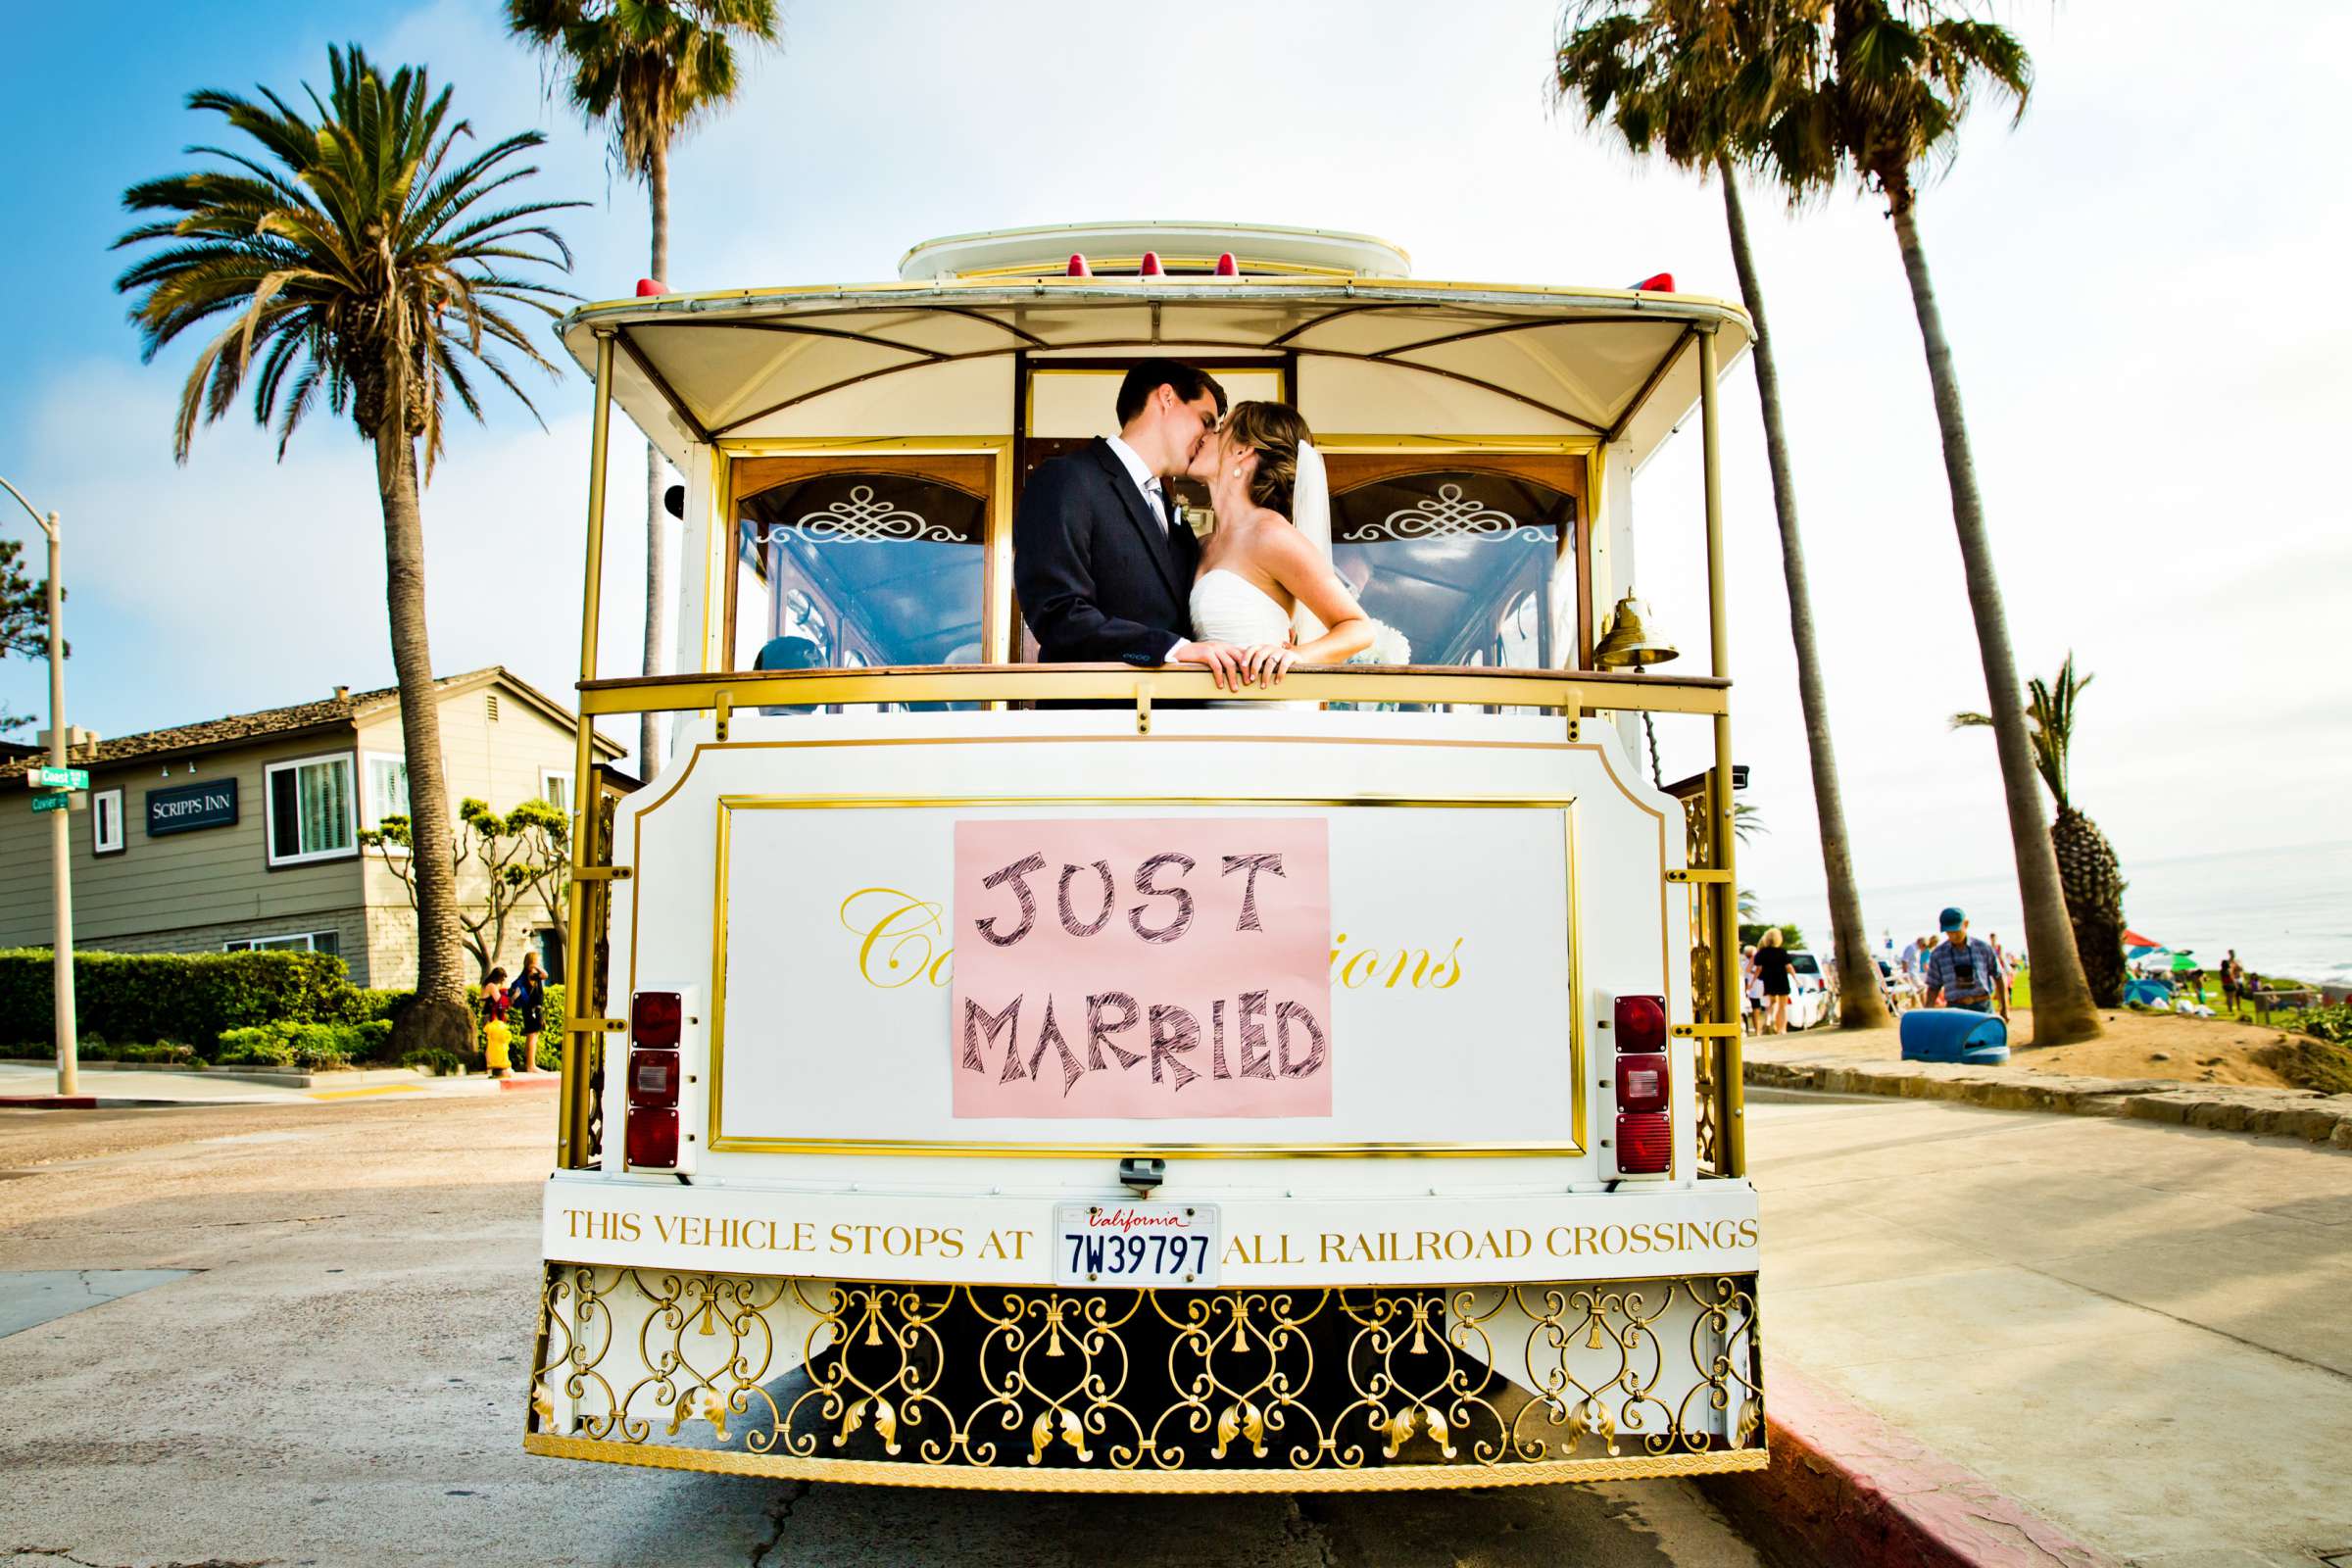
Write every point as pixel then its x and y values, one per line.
pixel 339 1379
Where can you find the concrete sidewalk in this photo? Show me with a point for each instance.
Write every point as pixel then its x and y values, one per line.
pixel 2143 1332
pixel 20 1084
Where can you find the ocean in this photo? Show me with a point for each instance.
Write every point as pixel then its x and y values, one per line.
pixel 2287 911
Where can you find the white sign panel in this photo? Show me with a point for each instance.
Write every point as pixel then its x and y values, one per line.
pixel 1452 972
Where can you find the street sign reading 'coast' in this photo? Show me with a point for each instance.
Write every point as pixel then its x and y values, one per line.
pixel 58 778
pixel 185 808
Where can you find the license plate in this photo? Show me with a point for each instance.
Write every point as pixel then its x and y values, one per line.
pixel 1140 1243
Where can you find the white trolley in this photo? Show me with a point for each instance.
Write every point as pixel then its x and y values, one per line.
pixel 1449 1193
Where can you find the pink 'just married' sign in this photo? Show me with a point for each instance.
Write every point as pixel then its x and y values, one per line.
pixel 1124 967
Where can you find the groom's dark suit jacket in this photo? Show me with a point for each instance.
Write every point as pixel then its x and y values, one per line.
pixel 1099 578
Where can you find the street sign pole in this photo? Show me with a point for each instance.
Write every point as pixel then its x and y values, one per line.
pixel 60 831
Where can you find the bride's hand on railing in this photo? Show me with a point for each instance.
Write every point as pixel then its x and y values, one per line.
pixel 1265 664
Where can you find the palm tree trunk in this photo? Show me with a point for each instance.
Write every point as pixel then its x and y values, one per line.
pixel 2063 1009
pixel 439 1017
pixel 657 521
pixel 1861 1004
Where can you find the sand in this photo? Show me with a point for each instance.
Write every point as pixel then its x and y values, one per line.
pixel 2196 1051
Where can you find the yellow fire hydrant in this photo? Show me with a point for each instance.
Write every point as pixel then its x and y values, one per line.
pixel 495 1036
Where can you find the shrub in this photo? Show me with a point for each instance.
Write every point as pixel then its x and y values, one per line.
pixel 2333 1023
pixel 288 1044
pixel 367 1005
pixel 196 996
pixel 440 1063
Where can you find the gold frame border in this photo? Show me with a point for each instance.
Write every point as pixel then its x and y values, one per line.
pixel 996 591
pixel 718 1141
pixel 1023 1478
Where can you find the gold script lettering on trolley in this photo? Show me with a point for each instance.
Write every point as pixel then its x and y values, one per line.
pixel 902 938
pixel 1132 967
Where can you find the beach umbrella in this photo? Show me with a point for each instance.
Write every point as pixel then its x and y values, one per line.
pixel 2183 962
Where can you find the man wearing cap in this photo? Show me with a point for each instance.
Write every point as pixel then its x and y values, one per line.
pixel 1963 972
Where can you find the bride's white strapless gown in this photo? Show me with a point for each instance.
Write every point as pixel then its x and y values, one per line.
pixel 1228 608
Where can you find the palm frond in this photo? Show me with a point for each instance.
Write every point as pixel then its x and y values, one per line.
pixel 355 254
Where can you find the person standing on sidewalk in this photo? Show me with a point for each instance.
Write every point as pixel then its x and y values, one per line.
pixel 1964 973
pixel 528 994
pixel 1771 967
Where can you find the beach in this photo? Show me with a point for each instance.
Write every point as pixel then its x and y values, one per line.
pixel 2286 910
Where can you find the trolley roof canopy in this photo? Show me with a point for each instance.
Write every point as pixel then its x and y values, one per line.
pixel 1373 353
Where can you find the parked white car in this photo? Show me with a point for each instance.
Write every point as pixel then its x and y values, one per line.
pixel 1810 1001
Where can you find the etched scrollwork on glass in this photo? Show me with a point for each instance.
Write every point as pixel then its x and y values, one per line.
pixel 1635 1376
pixel 863 518
pixel 1450 512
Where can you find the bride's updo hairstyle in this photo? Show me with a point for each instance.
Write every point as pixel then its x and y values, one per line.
pixel 1272 430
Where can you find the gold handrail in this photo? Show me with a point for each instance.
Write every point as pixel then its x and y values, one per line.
pixel 1572 690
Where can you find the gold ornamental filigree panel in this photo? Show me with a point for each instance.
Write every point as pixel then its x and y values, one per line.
pixel 1086 1390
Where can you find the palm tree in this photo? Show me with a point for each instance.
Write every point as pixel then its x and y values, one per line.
pixel 651 68
pixel 355 259
pixel 1699 80
pixel 2088 870
pixel 1900 76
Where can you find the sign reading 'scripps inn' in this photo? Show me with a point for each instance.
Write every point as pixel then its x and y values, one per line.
pixel 1153 967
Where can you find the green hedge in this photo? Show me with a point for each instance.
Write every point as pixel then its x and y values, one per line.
pixel 193 998
pixel 304 1045
pixel 201 998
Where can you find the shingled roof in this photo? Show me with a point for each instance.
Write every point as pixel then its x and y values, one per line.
pixel 328 713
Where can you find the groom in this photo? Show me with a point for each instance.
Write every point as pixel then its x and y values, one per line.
pixel 1103 571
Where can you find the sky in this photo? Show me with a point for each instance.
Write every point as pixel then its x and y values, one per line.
pixel 2137 280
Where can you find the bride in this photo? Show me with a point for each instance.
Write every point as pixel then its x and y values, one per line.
pixel 1266 588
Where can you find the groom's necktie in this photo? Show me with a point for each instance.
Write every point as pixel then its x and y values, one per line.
pixel 1158 495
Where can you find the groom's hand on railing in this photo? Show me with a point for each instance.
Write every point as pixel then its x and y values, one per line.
pixel 1222 661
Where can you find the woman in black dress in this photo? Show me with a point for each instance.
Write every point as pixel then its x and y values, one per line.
pixel 1771 967
pixel 529 995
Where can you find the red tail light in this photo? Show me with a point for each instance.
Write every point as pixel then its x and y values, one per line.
pixel 655 1017
pixel 1640 1026
pixel 1641 1084
pixel 654 1078
pixel 653 1137
pixel 1645 1142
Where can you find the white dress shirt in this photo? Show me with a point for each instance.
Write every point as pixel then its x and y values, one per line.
pixel 1145 480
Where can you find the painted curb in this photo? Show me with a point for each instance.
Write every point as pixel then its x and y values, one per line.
pixel 1849 1490
pixel 2324 1119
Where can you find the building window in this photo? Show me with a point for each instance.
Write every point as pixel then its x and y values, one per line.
pixel 554 789
pixel 312 813
pixel 387 786
pixel 327 942
pixel 106 822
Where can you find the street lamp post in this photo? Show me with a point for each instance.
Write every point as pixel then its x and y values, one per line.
pixel 60 832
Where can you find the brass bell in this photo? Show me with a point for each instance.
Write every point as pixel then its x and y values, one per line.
pixel 1628 641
